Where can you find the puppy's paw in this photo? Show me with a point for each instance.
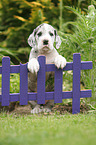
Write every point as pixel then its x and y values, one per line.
pixel 33 65
pixel 46 110
pixel 60 62
pixel 36 110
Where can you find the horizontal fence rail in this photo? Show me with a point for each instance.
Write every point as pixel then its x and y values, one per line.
pixel 24 96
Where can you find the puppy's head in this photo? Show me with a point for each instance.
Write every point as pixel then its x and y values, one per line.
pixel 43 38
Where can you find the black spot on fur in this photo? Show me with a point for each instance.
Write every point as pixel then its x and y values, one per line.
pixel 36 30
pixel 55 32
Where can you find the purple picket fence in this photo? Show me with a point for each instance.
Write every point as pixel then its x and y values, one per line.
pixel 24 96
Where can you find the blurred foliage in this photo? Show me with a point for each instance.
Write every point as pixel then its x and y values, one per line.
pixel 10 53
pixel 18 18
pixel 82 40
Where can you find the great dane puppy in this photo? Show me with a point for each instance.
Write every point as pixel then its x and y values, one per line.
pixel 42 41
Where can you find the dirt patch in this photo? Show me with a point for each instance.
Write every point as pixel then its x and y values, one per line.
pixel 67 108
pixel 58 108
pixel 22 110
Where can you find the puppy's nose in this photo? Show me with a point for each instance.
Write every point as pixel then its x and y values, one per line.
pixel 45 42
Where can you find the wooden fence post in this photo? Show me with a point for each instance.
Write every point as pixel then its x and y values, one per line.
pixel 58 85
pixel 23 84
pixel 5 81
pixel 41 81
pixel 76 83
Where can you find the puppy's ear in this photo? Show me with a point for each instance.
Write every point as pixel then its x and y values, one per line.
pixel 57 39
pixel 32 39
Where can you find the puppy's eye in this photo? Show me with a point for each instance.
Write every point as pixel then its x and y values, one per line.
pixel 51 34
pixel 39 34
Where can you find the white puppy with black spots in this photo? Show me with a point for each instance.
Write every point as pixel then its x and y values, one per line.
pixel 42 42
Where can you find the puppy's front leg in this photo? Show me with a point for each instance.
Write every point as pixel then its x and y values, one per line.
pixel 33 65
pixel 60 61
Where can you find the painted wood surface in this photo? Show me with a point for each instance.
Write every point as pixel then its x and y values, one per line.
pixel 24 96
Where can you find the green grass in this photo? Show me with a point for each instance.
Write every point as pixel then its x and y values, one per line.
pixel 48 130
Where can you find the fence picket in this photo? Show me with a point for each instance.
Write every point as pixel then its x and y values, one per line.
pixel 23 84
pixel 5 81
pixel 76 83
pixel 41 81
pixel 58 86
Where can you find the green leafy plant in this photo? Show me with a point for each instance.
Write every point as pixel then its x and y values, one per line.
pixel 8 52
pixel 82 39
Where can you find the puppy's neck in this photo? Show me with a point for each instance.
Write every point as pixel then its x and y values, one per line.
pixel 50 56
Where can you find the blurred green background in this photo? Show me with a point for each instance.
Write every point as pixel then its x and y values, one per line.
pixel 75 21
